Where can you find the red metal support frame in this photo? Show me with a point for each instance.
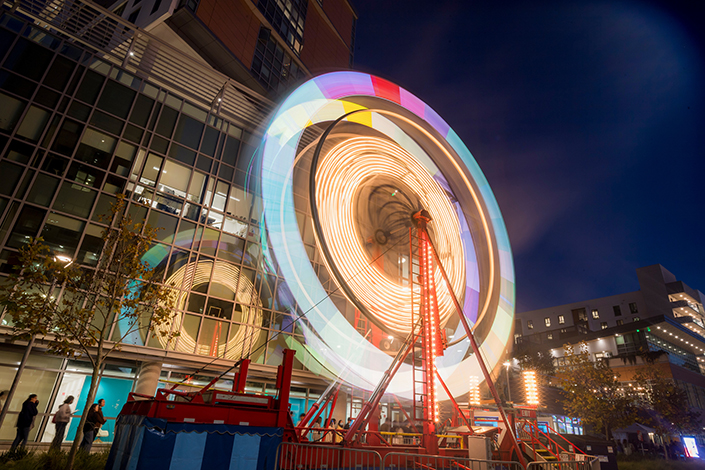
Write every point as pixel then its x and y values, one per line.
pixel 455 403
pixel 375 398
pixel 481 362
pixel 241 377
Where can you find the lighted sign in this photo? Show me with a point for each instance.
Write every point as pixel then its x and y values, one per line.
pixel 691 447
pixel 530 387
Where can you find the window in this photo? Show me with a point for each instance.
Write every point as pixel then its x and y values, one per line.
pixel 633 308
pixel 530 324
pixel 620 322
pixel 595 313
pixel 561 319
pixel 579 314
pixel 547 321
pixel 549 336
pixel 635 319
pixel 603 325
pixel 272 65
pixel 288 18
pixel 617 311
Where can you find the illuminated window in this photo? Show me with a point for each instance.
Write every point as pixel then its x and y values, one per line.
pixel 547 321
pixel 636 319
pixel 633 308
pixel 549 336
pixel 530 324
pixel 561 319
pixel 617 311
pixel 603 325
pixel 595 313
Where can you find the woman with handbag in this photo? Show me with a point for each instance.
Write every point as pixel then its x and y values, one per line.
pixel 61 420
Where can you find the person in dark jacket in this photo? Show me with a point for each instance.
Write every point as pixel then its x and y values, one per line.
pixel 94 421
pixel 25 421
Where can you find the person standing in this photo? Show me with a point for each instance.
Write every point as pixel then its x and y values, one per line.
pixel 94 421
pixel 61 420
pixel 25 421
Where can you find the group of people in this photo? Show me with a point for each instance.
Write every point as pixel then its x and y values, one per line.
pixel 334 432
pixel 25 422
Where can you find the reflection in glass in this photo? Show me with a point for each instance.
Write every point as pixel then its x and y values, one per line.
pixel 213 339
pixel 225 275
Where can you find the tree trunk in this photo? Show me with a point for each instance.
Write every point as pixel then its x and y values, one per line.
pixel 92 390
pixel 665 447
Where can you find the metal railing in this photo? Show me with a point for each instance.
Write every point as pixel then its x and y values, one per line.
pixel 293 456
pixel 404 461
pixel 116 40
pixel 593 464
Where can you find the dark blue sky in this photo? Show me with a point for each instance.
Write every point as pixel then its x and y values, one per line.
pixel 588 119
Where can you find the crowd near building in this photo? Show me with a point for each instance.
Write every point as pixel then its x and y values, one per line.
pixel 162 101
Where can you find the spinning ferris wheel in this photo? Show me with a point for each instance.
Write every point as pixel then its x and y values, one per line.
pixel 363 159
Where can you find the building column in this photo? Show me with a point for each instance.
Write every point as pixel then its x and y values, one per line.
pixel 148 378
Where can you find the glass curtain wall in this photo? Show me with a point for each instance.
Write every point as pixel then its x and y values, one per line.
pixel 76 131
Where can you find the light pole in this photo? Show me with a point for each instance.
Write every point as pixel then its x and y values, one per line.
pixel 66 261
pixel 507 364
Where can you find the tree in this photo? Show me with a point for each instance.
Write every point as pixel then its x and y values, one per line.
pixel 666 404
pixel 100 307
pixel 537 361
pixel 593 392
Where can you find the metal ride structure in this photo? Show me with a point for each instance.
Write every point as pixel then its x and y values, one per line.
pixel 381 166
pixel 404 225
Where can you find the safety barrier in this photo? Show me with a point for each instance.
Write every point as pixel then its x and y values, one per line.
pixel 593 464
pixel 404 461
pixel 293 456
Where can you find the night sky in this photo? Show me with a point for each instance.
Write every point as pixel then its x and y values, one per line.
pixel 588 119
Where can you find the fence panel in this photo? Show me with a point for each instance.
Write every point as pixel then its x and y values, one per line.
pixel 293 456
pixel 404 461
pixel 564 465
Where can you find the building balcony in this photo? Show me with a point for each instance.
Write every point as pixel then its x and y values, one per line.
pixel 685 308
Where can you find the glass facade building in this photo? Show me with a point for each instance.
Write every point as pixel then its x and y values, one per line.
pixel 75 131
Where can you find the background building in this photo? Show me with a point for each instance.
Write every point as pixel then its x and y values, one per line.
pixel 264 44
pixel 92 106
pixel 665 314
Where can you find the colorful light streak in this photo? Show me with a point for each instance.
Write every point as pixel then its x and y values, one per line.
pixel 343 170
pixel 488 293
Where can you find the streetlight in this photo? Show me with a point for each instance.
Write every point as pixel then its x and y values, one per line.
pixel 66 261
pixel 508 364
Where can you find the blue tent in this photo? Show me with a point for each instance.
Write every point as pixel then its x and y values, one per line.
pixel 154 444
